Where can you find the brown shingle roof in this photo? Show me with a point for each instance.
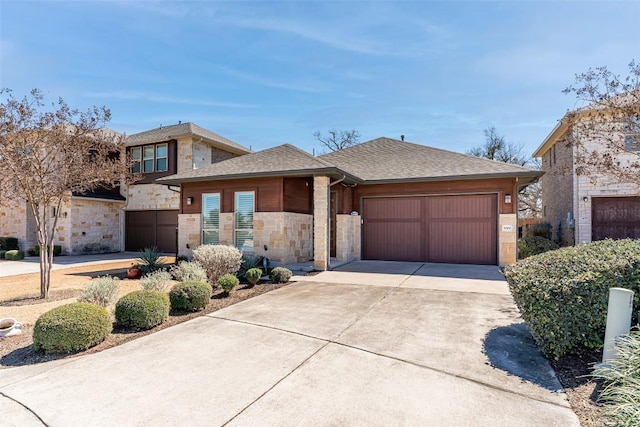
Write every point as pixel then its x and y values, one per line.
pixel 166 133
pixel 277 161
pixel 386 159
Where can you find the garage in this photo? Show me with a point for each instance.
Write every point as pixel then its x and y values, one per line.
pixel 146 229
pixel 615 218
pixel 452 229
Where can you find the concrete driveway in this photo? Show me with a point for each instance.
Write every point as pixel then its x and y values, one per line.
pixel 373 343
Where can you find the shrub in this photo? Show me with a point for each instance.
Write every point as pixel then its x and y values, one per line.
pixel 539 229
pixel 158 280
pixel 534 245
pixel 14 255
pixel 563 294
pixel 218 260
pixel 228 282
pixel 280 275
pixel 621 392
pixel 71 327
pixel 142 309
pixel 9 243
pixel 101 291
pixel 190 295
pixel 249 261
pixel 253 275
pixel 150 260
pixel 2 253
pixel 35 251
pixel 189 271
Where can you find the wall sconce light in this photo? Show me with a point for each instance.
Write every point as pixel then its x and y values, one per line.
pixel 585 199
pixel 189 200
pixel 507 198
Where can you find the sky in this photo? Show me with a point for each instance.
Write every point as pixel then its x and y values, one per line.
pixel 270 72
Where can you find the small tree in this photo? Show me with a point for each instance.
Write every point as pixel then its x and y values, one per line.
pixel 606 131
pixel 46 155
pixel 496 148
pixel 337 140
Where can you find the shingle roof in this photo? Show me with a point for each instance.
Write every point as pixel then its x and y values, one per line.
pixel 166 133
pixel 386 159
pixel 281 160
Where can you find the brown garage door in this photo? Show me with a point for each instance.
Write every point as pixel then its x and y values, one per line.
pixel 146 229
pixel 454 229
pixel 615 218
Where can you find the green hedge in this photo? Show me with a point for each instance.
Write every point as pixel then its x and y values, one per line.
pixel 14 255
pixel 563 294
pixel 35 251
pixel 190 295
pixel 8 243
pixel 142 309
pixel 280 275
pixel 530 246
pixel 71 327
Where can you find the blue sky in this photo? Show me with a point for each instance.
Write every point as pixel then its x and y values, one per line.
pixel 266 73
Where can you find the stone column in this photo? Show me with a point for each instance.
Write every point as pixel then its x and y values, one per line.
pixel 321 222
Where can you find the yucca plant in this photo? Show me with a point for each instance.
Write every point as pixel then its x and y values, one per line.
pixel 150 260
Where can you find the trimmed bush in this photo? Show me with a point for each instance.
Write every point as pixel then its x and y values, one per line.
pixel 621 394
pixel 563 294
pixel 218 260
pixel 253 275
pixel 14 255
pixel 186 271
pixel 190 295
pixel 158 280
pixel 35 251
pixel 9 243
pixel 280 275
pixel 71 328
pixel 228 282
pixel 534 245
pixel 142 309
pixel 101 291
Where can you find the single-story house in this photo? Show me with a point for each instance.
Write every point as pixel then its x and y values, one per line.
pixel 383 199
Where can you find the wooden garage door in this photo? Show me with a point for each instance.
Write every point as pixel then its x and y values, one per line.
pixel 615 218
pixel 453 229
pixel 145 229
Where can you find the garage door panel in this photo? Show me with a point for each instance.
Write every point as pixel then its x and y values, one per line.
pixel 396 208
pixel 464 241
pixel 146 229
pixel 615 218
pixel 480 206
pixel 397 241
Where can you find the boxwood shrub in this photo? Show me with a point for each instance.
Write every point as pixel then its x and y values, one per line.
pixel 72 327
pixel 8 243
pixel 280 275
pixel 191 295
pixel 142 309
pixel 563 294
pixel 14 255
pixel 534 245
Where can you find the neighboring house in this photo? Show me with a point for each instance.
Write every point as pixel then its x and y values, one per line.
pixel 384 199
pixel 129 218
pixel 587 206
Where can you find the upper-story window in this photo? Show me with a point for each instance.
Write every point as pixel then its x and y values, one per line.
pixel 632 133
pixel 150 158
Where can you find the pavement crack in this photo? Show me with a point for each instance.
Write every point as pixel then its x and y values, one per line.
pixel 25 407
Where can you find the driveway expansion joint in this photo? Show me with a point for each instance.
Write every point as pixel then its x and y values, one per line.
pixel 25 407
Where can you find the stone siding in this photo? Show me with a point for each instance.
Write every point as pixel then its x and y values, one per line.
pixel 201 154
pixel 189 233
pixel 92 226
pixel 348 229
pixel 286 235
pixel 218 155
pixel 14 222
pixel 321 222
pixel 152 197
pixel 507 239
pixel 185 154
pixel 227 229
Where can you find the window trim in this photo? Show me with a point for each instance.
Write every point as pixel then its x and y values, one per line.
pixel 165 157
pixel 203 228
pixel 139 159
pixel 136 160
pixel 235 219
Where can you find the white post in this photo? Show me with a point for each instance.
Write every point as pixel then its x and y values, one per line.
pixel 618 320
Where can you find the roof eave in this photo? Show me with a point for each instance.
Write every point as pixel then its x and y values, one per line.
pixel 532 176
pixel 292 173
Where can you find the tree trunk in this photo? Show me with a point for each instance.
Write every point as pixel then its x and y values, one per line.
pixel 45 270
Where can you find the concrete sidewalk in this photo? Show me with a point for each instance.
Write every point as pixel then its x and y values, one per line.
pixel 422 349
pixel 32 264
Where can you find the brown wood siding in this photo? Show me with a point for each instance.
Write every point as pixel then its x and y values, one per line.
pixel 146 229
pixel 615 218
pixel 269 194
pixel 298 195
pixel 454 229
pixel 172 162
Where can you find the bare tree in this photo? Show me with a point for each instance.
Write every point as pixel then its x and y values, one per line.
pixel 337 140
pixel 606 131
pixel 47 154
pixel 496 148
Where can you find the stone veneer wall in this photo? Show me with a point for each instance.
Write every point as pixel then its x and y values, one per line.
pixel 189 229
pixel 288 236
pixel 201 154
pixel 321 250
pixel 14 222
pixel 507 239
pixel 152 197
pixel 348 229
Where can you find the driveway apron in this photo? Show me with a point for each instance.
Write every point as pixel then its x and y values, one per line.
pixel 369 344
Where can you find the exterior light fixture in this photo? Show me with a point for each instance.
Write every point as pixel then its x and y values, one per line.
pixel 189 200
pixel 585 199
pixel 507 198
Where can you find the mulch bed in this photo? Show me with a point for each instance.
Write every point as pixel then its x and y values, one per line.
pixel 18 350
pixel 35 298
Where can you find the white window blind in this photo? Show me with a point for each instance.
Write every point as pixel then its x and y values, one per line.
pixel 244 209
pixel 211 219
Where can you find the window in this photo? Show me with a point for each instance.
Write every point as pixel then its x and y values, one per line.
pixel 632 133
pixel 136 157
pixel 211 219
pixel 244 206
pixel 150 158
